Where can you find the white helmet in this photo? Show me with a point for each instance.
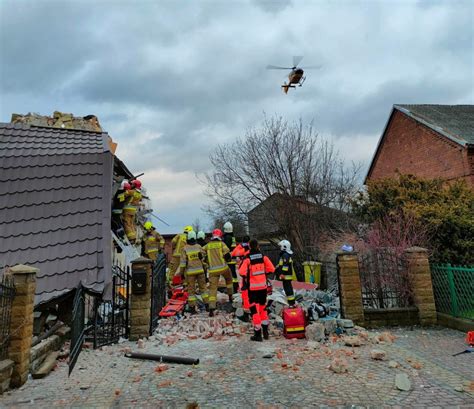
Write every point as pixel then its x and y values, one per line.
pixel 228 228
pixel 285 245
pixel 201 235
pixel 191 235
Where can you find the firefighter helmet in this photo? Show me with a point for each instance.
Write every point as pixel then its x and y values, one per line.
pixel 148 225
pixel 285 245
pixel 123 184
pixel 217 234
pixel 187 229
pixel 228 228
pixel 136 184
pixel 201 235
pixel 191 235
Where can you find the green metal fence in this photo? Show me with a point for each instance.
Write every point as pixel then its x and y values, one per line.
pixel 453 288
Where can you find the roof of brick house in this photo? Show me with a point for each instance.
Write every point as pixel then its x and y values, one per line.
pixel 55 196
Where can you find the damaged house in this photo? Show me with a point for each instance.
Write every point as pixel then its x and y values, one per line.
pixel 56 192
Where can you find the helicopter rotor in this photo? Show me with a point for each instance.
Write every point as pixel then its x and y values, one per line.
pixel 275 67
pixel 296 60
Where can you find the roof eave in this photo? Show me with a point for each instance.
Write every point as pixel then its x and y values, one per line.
pixel 379 143
pixel 435 128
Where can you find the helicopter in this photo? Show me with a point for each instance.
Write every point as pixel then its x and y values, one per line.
pixel 295 77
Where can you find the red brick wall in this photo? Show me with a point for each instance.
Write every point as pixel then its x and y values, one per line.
pixel 411 147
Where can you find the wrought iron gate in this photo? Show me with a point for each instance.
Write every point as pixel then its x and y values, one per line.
pixel 384 279
pixel 111 318
pixel 77 328
pixel 158 290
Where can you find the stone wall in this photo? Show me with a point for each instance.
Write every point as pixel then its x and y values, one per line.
pixel 423 312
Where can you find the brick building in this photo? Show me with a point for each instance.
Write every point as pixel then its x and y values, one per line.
pixel 428 141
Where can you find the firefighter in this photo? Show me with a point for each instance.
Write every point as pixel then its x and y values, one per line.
pixel 152 241
pixel 117 207
pixel 133 199
pixel 229 240
pixel 201 240
pixel 193 269
pixel 285 270
pixel 217 256
pixel 177 245
pixel 254 270
pixel 239 254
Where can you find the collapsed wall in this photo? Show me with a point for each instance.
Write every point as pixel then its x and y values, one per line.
pixel 59 120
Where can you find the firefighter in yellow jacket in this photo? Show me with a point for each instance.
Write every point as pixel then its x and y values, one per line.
pixel 177 245
pixel 133 198
pixel 152 242
pixel 217 256
pixel 193 269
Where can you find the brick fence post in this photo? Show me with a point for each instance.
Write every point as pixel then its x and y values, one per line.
pixel 420 276
pixel 140 304
pixel 21 324
pixel 350 290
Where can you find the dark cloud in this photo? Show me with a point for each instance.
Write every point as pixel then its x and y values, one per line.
pixel 170 83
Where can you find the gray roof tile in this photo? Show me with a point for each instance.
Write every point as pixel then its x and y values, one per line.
pixel 55 199
pixel 453 121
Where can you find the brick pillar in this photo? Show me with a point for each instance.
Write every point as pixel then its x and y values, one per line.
pixel 140 304
pixel 420 275
pixel 21 324
pixel 350 291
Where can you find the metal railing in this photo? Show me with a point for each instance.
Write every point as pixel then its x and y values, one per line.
pixel 158 290
pixel 7 293
pixel 384 280
pixel 453 288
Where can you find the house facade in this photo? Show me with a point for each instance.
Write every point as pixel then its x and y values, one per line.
pixel 429 141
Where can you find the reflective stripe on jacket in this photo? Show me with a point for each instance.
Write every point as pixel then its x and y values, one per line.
pixel 191 257
pixel 177 244
pixel 215 252
pixel 285 265
pixel 153 242
pixel 255 268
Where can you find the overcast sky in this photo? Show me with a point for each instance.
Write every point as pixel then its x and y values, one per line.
pixel 169 80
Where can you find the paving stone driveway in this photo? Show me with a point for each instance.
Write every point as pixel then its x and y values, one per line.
pixel 234 374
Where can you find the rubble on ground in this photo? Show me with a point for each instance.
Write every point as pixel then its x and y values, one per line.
pixel 378 355
pixel 221 326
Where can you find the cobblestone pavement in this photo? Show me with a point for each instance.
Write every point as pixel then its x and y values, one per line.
pixel 234 374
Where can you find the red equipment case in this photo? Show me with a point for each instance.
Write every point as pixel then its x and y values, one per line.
pixel 294 322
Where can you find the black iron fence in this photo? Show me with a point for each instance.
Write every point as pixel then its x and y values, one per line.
pixel 385 281
pixel 7 292
pixel 158 290
pixel 101 322
pixel 111 318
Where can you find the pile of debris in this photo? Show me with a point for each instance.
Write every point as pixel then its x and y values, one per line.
pixel 59 120
pixel 219 327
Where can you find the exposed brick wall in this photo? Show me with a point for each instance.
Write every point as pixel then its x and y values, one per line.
pixel 412 148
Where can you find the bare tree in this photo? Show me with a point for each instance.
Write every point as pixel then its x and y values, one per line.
pixel 285 159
